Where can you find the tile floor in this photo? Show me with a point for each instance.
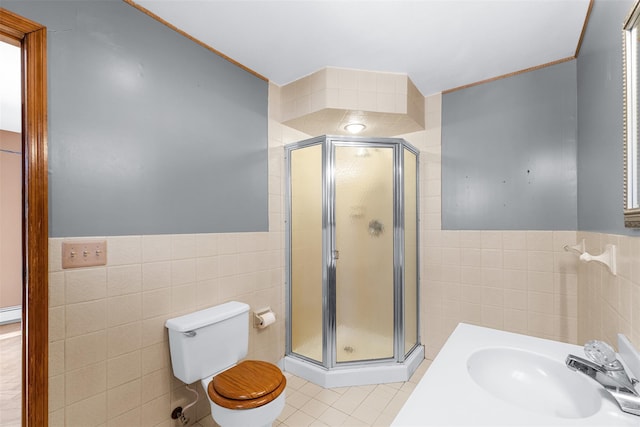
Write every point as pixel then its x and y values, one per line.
pixel 370 405
pixel 307 404
pixel 10 375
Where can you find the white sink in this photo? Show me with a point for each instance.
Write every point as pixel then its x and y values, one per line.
pixel 485 377
pixel 534 382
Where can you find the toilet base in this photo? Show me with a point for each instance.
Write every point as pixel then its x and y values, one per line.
pixel 262 416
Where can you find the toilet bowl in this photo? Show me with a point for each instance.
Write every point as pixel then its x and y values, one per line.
pixel 209 346
pixel 248 394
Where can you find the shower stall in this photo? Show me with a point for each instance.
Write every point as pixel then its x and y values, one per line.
pixel 352 260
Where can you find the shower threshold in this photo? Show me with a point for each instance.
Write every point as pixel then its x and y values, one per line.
pixel 352 375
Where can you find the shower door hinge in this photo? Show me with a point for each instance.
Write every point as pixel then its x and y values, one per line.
pixel 336 254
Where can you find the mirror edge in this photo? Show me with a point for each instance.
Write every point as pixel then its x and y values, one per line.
pixel 632 218
pixel 631 215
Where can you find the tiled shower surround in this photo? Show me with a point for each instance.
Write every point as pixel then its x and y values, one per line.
pixel 109 357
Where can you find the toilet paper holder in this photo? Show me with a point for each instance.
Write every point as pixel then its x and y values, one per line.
pixel 258 319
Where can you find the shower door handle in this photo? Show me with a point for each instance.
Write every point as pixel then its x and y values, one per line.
pixel 336 254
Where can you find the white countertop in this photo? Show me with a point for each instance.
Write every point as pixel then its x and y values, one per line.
pixel 447 395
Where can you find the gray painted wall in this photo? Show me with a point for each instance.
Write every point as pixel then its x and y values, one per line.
pixel 600 148
pixel 149 133
pixel 509 153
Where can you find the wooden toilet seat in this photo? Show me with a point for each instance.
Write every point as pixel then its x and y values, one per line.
pixel 249 384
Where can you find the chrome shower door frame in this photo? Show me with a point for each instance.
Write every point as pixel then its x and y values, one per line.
pixel 329 304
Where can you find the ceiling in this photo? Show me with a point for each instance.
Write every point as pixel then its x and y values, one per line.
pixel 439 44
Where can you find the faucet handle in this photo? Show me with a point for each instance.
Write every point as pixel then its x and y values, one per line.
pixel 603 354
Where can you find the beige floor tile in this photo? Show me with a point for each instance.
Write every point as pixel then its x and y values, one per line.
pixel 306 404
pixel 354 422
pixel 408 386
pixel 351 399
pixel 369 405
pixel 10 374
pixel 384 420
pixel 286 412
pixel 396 403
pixel 395 385
pixel 310 389
pixel 315 408
pixel 380 397
pixel 340 390
pixel 207 422
pixel 299 419
pixel 328 396
pixel 333 417
pixel 297 399
pixel 294 382
pixel 419 373
pixel 367 413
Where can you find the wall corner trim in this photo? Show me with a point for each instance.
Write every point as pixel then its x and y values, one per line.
pixel 187 35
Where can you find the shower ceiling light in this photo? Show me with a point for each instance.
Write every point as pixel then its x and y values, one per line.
pixel 355 127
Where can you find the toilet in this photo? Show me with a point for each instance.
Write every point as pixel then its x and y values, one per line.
pixel 209 345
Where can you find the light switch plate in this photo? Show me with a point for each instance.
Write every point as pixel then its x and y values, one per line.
pixel 84 253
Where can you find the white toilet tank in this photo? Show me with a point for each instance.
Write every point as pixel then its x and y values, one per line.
pixel 206 342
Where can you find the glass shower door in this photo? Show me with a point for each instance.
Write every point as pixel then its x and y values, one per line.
pixel 364 257
pixel 306 252
pixel 410 275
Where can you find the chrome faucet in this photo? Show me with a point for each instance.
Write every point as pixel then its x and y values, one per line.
pixel 609 373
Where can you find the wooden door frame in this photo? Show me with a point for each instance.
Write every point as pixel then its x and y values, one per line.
pixel 32 38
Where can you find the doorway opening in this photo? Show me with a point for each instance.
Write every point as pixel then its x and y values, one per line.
pixel 32 39
pixel 10 234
